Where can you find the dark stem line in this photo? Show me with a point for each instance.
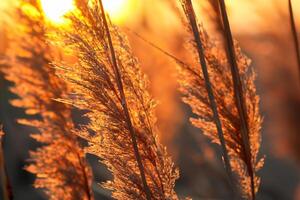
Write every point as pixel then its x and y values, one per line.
pixel 82 165
pixel 215 6
pixel 6 186
pixel 85 177
pixel 161 50
pixel 238 94
pixel 125 107
pixel 193 23
pixel 294 33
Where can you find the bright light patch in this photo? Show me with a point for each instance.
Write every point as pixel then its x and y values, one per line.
pixel 56 9
pixel 118 10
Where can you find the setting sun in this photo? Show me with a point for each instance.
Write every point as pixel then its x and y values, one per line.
pixel 118 10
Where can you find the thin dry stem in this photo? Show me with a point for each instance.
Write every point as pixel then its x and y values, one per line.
pixel 238 93
pixel 124 105
pixel 295 34
pixel 6 186
pixel 187 4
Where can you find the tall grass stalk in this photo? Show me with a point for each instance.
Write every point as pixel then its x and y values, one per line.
pixel 294 33
pixel 6 187
pixel 193 23
pixel 238 93
pixel 124 104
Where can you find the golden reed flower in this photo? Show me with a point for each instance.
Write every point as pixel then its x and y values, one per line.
pixel 59 164
pixel 108 82
pixel 194 88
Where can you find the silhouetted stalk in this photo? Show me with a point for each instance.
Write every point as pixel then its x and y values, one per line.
pixel 124 105
pixel 87 189
pixel 156 47
pixel 294 32
pixel 238 93
pixel 218 21
pixel 193 23
pixel 6 188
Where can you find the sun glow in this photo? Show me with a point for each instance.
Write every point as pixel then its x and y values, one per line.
pixel 118 10
pixel 56 9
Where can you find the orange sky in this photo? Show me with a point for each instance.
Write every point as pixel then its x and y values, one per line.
pixel 243 13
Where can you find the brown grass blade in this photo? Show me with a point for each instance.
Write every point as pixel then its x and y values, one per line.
pixel 187 4
pixel 124 104
pixel 295 34
pixel 238 93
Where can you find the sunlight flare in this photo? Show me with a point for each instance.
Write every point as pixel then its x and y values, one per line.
pixel 118 10
pixel 56 9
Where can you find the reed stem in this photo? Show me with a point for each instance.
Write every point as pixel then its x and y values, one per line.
pixel 208 85
pixel 6 187
pixel 238 94
pixel 85 177
pixel 124 105
pixel 294 33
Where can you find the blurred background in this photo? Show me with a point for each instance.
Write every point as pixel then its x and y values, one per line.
pixel 261 27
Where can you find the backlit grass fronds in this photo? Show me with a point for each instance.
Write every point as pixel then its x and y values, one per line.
pixel 193 88
pixel 59 164
pixel 239 96
pixel 191 16
pixel 108 82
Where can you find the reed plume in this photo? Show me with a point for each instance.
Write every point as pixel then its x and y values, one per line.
pixel 59 165
pixel 6 187
pixel 241 147
pixel 108 82
pixel 189 11
pixel 294 34
pixel 239 96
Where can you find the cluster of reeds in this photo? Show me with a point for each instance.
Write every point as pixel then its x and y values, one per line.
pixel 107 81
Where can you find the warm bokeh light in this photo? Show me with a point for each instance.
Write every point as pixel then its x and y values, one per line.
pixel 56 9
pixel 119 10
